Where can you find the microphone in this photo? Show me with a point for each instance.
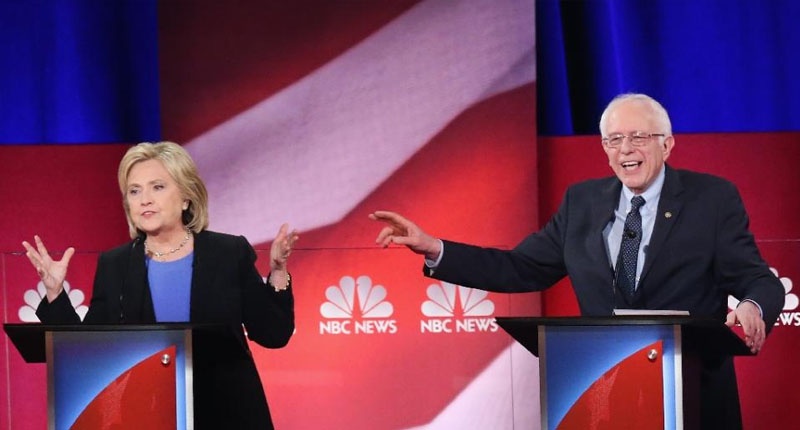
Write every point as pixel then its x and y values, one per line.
pixel 630 234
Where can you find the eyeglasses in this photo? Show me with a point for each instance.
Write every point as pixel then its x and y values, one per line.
pixel 637 138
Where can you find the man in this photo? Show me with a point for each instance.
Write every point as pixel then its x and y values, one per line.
pixel 650 237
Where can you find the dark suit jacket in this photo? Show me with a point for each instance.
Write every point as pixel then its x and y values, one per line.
pixel 700 251
pixel 226 290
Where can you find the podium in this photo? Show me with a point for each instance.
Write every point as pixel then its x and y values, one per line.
pixel 112 376
pixel 623 371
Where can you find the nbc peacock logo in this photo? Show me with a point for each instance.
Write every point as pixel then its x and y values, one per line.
pixel 356 306
pixel 32 298
pixel 455 309
pixel 790 315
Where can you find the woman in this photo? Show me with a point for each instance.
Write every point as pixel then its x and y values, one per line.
pixel 174 270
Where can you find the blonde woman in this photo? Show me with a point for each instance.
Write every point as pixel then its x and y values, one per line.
pixel 175 270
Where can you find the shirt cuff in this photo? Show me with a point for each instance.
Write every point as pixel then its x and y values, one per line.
pixel 760 311
pixel 432 264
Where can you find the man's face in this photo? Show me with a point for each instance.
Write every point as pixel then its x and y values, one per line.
pixel 636 166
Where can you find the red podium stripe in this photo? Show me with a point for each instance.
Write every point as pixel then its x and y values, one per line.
pixel 143 397
pixel 628 396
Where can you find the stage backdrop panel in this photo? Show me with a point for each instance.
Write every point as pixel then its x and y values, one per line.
pixel 316 114
pixel 437 340
pixel 399 338
pixel 324 115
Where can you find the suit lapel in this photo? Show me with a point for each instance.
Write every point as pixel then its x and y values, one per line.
pixel 137 305
pixel 202 271
pixel 669 208
pixel 603 212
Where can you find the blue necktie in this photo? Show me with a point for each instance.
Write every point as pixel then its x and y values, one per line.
pixel 629 248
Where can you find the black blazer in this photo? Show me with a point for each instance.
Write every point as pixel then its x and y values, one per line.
pixel 700 251
pixel 226 290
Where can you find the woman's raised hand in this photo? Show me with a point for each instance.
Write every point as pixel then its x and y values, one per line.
pixel 52 272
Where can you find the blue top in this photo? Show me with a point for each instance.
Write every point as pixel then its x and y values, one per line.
pixel 170 287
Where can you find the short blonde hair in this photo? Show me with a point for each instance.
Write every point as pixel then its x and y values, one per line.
pixel 181 167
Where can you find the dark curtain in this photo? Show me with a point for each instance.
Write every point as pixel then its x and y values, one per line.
pixel 86 71
pixel 715 65
pixel 78 71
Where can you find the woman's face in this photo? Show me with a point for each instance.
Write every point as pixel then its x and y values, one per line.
pixel 155 203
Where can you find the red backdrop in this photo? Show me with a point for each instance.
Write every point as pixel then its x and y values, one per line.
pixel 334 373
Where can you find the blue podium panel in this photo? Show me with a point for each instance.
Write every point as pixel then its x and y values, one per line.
pixel 587 365
pixel 104 367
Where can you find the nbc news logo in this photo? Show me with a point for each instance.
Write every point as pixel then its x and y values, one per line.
pixel 790 315
pixel 456 309
pixel 345 316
